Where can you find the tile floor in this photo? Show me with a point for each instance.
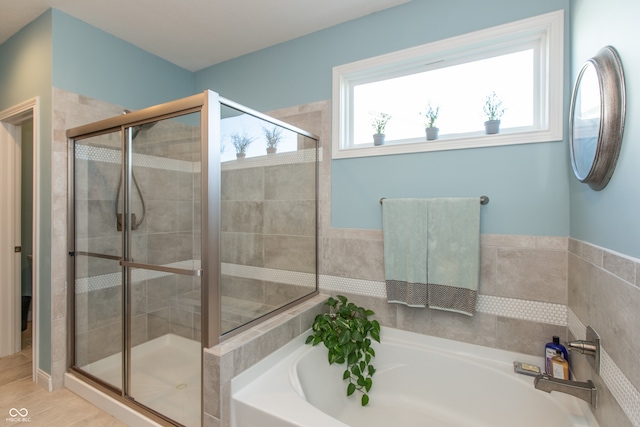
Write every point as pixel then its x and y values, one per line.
pixel 19 396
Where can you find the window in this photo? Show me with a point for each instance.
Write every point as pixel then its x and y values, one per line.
pixel 521 62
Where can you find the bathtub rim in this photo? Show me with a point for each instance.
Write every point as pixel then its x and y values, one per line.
pixel 292 352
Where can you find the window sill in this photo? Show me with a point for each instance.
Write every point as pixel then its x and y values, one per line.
pixel 446 143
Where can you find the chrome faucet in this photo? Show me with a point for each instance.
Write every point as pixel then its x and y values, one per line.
pixel 583 347
pixel 589 347
pixel 582 390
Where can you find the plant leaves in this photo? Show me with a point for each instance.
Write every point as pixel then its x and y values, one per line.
pixel 375 334
pixel 350 389
pixel 356 370
pixel 347 333
pixel 344 338
pixel 367 384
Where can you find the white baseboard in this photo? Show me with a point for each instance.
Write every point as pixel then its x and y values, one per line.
pixel 44 380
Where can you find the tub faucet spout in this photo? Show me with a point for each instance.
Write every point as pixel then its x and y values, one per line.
pixel 582 390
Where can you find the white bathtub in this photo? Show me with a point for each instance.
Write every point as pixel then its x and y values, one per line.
pixel 420 381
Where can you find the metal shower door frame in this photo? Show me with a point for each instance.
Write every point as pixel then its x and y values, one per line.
pixel 208 105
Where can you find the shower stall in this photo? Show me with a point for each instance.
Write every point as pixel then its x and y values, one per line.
pixel 176 243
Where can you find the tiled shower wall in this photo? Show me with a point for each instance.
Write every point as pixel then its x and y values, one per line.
pixel 268 217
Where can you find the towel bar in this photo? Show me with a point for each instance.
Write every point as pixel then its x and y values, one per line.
pixel 484 200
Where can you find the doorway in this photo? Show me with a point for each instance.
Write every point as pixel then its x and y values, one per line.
pixel 19 143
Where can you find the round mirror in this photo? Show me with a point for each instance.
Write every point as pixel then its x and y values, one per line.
pixel 597 118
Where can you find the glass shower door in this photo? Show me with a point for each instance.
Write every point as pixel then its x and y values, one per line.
pixel 98 250
pixel 162 266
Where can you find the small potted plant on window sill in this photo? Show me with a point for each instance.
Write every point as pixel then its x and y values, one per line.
pixel 241 142
pixel 273 136
pixel 493 111
pixel 431 115
pixel 379 122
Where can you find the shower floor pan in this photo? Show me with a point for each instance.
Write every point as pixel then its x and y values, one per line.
pixel 165 376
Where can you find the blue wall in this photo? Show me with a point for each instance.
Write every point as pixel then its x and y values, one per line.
pixel 610 218
pixel 57 50
pixel 25 72
pixel 527 184
pixel 93 63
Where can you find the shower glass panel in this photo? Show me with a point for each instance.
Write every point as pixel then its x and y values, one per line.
pixel 174 241
pixel 268 216
pixel 163 254
pixel 98 244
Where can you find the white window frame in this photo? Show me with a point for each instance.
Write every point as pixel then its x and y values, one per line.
pixel 546 31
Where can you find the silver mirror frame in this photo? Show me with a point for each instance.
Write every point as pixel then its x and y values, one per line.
pixel 608 67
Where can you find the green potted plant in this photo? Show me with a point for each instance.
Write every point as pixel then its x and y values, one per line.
pixel 346 332
pixel 273 136
pixel 431 115
pixel 493 111
pixel 241 142
pixel 379 122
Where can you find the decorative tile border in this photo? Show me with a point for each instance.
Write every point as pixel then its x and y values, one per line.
pixel 109 280
pixel 627 396
pixel 288 158
pixel 536 311
pixel 332 284
pixel 108 155
pixel 269 274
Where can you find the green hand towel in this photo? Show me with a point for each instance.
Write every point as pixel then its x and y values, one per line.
pixel 432 252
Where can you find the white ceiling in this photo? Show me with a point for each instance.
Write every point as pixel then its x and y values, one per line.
pixel 195 34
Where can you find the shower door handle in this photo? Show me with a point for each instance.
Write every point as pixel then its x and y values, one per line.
pixel 181 271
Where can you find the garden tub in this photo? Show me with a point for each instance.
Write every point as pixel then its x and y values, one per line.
pixel 420 381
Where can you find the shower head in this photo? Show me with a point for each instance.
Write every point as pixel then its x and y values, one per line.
pixel 137 129
pixel 145 127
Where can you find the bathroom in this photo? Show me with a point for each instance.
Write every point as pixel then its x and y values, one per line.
pixel 566 244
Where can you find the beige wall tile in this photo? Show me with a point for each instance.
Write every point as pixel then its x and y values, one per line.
pixel 538 275
pixel 478 329
pixel 355 258
pixel 619 335
pixel 590 253
pixel 527 337
pixel 580 283
pixel 620 266
pixel 291 253
pixel 488 270
pixel 242 216
pixel 508 240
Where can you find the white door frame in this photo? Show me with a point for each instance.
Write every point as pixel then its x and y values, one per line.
pixel 10 140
